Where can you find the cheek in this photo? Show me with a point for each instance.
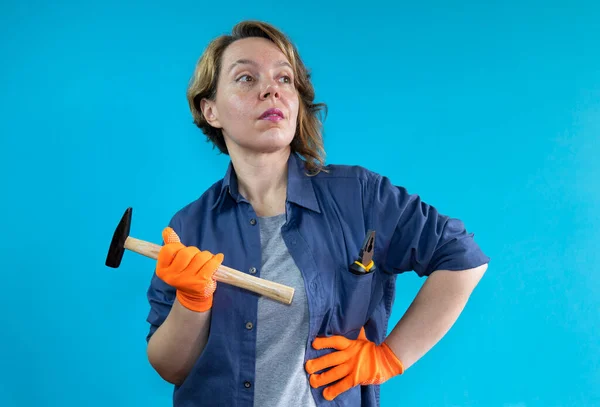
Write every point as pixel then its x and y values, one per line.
pixel 237 107
pixel 295 105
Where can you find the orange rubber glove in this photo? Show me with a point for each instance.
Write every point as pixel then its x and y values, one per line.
pixel 189 270
pixel 356 362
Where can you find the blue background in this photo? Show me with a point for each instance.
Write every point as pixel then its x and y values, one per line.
pixel 489 112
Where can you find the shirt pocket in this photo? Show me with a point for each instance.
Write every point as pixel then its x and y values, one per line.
pixel 351 302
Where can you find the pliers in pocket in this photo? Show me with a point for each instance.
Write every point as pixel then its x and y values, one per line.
pixel 364 263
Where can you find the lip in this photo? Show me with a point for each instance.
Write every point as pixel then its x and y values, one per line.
pixel 272 114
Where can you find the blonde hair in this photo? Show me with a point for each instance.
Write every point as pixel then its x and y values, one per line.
pixel 308 139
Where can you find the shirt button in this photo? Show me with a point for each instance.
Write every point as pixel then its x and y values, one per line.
pixel 313 286
pixel 249 325
pixel 252 270
pixel 253 221
pixel 247 384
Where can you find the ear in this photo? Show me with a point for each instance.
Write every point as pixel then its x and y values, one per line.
pixel 209 110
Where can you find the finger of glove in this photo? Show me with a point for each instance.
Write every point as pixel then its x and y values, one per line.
pixel 181 261
pixel 199 267
pixel 198 278
pixel 213 263
pixel 335 390
pixel 326 361
pixel 167 254
pixel 333 342
pixel 330 376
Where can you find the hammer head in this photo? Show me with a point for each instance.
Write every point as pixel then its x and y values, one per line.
pixel 117 245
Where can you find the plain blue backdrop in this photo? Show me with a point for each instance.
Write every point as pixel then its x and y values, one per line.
pixel 490 112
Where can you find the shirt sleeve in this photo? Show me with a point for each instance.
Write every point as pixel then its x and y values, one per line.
pixel 160 295
pixel 416 236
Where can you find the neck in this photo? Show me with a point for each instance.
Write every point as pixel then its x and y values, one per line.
pixel 262 180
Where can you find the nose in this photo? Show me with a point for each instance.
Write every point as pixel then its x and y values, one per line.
pixel 271 90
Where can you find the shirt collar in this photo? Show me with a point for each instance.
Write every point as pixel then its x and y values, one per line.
pixel 300 189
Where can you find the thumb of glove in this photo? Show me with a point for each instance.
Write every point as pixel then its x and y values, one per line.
pixel 169 236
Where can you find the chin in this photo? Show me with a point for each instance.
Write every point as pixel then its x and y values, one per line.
pixel 270 147
pixel 266 141
pixel 271 141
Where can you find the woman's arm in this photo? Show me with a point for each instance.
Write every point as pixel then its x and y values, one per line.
pixel 434 310
pixel 178 342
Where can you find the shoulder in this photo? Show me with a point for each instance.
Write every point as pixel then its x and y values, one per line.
pixel 357 175
pixel 377 190
pixel 196 209
pixel 336 172
pixel 352 185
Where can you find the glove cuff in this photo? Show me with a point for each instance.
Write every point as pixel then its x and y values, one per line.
pixel 194 303
pixel 393 364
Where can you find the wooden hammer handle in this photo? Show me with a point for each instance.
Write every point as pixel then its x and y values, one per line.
pixel 224 274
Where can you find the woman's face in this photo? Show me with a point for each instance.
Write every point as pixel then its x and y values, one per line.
pixel 256 104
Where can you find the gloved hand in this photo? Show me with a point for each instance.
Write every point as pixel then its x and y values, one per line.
pixel 356 362
pixel 189 270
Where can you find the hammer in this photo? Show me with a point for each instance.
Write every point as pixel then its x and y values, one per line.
pixel 121 241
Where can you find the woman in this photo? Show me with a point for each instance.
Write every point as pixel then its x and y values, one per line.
pixel 281 214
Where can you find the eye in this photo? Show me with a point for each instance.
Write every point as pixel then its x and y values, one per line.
pixel 245 78
pixel 285 79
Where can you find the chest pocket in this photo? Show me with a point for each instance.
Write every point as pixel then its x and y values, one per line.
pixel 352 302
pixel 352 297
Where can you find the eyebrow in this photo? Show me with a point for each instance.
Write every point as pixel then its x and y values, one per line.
pixel 251 62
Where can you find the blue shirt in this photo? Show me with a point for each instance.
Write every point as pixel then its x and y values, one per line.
pixel 327 218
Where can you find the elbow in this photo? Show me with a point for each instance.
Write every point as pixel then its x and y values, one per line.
pixel 169 375
pixel 164 367
pixel 175 379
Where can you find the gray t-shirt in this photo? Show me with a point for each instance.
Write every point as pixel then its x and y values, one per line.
pixel 281 330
